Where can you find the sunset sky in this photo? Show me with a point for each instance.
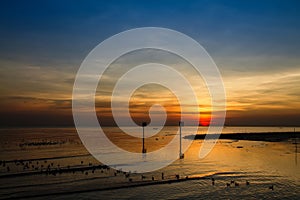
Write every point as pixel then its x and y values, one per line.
pixel 255 44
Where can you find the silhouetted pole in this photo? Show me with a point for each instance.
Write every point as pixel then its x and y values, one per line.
pixel 181 155
pixel 296 146
pixel 144 124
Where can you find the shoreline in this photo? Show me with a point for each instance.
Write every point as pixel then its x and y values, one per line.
pixel 121 185
pixel 265 136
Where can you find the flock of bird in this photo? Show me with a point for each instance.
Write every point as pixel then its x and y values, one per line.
pixel 236 184
pixel 47 167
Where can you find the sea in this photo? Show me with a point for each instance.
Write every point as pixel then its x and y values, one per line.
pixel 48 163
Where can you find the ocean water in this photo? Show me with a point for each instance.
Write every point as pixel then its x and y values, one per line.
pixel 79 175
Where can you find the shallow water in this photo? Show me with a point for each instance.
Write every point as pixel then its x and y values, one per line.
pixel 261 163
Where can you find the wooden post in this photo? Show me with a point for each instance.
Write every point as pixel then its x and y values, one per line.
pixel 181 155
pixel 144 124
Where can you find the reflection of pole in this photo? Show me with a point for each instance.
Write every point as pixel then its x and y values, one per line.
pixel 181 155
pixel 296 146
pixel 144 124
pixel 296 150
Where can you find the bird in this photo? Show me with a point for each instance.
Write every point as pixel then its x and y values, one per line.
pixel 152 178
pixel 271 187
pixel 247 183
pixel 228 184
pixel 232 182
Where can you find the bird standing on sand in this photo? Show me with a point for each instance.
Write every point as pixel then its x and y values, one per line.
pixel 247 183
pixel 212 181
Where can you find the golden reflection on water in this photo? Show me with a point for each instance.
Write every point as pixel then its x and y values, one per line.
pixel 277 158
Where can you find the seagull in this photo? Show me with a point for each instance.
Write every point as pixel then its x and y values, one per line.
pixel 212 181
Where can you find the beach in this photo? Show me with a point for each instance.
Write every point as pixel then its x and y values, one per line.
pixel 47 163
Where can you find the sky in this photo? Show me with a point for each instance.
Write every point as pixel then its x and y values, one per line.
pixel 255 44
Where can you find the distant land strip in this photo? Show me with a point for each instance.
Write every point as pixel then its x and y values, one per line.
pixel 265 136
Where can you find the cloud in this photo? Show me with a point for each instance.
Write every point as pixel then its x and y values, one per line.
pixel 36 81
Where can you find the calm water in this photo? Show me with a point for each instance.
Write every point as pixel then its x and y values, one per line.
pixel 263 164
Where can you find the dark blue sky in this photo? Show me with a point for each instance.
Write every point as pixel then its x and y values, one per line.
pixel 61 32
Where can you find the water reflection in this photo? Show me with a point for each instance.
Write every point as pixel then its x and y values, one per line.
pixel 261 164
